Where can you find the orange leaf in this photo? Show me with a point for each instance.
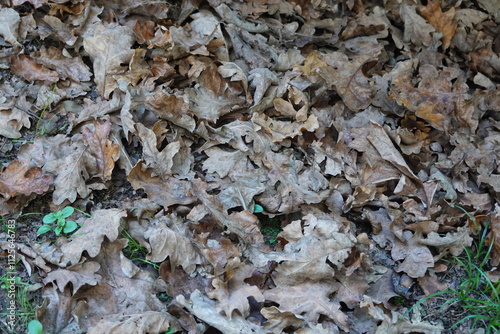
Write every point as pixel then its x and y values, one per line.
pixel 442 22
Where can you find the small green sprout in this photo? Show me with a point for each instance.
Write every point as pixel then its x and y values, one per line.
pixel 257 208
pixel 63 225
pixel 35 327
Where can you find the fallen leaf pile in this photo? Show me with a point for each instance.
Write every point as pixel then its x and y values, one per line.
pixel 359 125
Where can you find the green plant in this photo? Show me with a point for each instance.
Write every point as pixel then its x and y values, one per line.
pixel 25 308
pixel 62 225
pixel 476 295
pixel 271 227
pixel 257 208
pixel 135 252
pixel 35 327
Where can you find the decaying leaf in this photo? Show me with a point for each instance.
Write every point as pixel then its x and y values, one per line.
pixel 102 149
pixel 441 21
pixel 309 300
pixel 19 179
pixel 233 294
pixel 89 237
pixel 109 48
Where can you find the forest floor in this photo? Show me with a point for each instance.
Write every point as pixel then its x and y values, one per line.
pixel 261 166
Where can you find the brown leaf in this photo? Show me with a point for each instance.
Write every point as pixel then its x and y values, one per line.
pixel 442 22
pixel 417 30
pixel 102 149
pixel 56 312
pixel 179 190
pixel 9 25
pixel 144 323
pixel 78 275
pixel 416 258
pixel 104 223
pixel 109 48
pixel 204 308
pixel 311 300
pixel 26 67
pixel 172 243
pixel 19 179
pixel 430 284
pixel 180 283
pixel 69 164
pixel 277 320
pixel 215 96
pixel 120 294
pixel 281 130
pixel 68 67
pixel 12 119
pixel 232 295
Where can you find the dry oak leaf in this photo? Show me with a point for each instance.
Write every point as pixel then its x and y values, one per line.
pixel 78 275
pixel 9 25
pixel 18 179
pixel 163 191
pixel 55 314
pixel 124 290
pixel 233 294
pixel 277 320
pixel 144 323
pixel 68 67
pixel 172 243
pixel 417 258
pixel 104 223
pixel 104 151
pixel 294 184
pixel 442 22
pixel 417 30
pixel 309 300
pixel 204 308
pixel 109 48
pixel 215 96
pixel 281 130
pixel 395 323
pixel 160 161
pixel 172 108
pixel 26 67
pixel 309 255
pixel 347 76
pixel 12 119
pixel 69 164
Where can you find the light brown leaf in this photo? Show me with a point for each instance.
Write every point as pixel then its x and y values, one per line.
pixel 278 320
pixel 104 151
pixel 232 295
pixel 26 67
pixel 172 243
pixel 78 275
pixel 109 48
pixel 417 258
pixel 118 293
pixel 9 25
pixel 143 323
pixel 68 67
pixel 104 223
pixel 417 30
pixel 19 179
pixel 12 119
pixel 310 300
pixel 281 130
pixel 178 190
pixel 442 22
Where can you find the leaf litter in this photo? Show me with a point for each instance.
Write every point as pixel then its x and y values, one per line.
pixel 354 123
